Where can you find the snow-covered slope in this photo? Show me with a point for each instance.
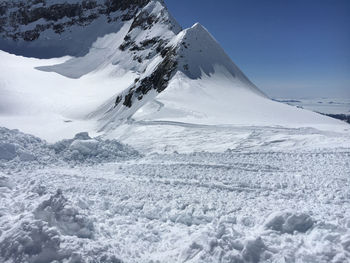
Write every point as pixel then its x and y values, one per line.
pixel 123 61
pixel 209 88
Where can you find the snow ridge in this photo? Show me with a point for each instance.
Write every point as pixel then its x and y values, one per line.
pixel 199 53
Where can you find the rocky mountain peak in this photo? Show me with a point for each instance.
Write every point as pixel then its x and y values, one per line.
pixel 135 37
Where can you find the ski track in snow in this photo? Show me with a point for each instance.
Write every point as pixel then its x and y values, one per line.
pixel 232 206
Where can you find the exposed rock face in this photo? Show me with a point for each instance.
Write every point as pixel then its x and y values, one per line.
pixel 15 14
pixel 158 80
pixel 25 21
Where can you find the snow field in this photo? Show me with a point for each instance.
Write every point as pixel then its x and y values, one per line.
pixel 163 137
pixel 232 206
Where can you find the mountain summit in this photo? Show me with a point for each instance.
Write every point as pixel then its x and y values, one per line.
pixel 101 63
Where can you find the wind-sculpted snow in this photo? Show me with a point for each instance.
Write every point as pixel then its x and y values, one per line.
pixel 234 206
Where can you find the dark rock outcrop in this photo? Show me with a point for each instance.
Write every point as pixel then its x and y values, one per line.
pixel 24 21
pixel 157 81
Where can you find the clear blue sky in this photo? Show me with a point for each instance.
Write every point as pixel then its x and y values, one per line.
pixel 288 48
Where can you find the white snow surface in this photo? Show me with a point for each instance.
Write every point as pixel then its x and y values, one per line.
pixel 219 99
pixel 258 205
pixel 209 170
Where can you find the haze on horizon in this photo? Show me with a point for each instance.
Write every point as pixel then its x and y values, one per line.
pixel 290 49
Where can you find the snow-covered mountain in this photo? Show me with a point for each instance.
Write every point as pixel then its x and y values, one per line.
pixel 97 64
pixel 185 159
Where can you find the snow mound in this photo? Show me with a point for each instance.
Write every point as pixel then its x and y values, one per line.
pixel 253 248
pixel 5 182
pixel 32 241
pixel 83 148
pixel 287 222
pixel 55 231
pixel 59 212
pixel 223 243
pixel 7 151
pixel 16 146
